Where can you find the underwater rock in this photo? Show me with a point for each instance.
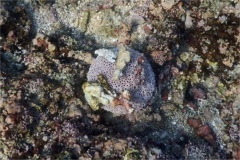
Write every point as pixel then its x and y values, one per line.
pixel 3 15
pixel 42 42
pixel 130 90
pixel 194 122
pixel 168 4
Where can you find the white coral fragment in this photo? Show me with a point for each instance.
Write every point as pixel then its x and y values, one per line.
pixel 108 54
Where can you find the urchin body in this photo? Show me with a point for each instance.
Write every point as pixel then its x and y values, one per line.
pixel 137 79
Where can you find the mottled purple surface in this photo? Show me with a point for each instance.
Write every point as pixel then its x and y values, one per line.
pixel 140 86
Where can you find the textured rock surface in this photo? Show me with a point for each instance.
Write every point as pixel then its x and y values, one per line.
pixel 193 47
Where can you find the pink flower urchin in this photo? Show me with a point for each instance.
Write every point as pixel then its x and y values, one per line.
pixel 137 78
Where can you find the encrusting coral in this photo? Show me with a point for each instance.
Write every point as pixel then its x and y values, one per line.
pixel 119 84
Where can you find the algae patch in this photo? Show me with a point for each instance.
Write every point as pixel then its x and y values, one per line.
pixel 122 59
pixel 98 93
